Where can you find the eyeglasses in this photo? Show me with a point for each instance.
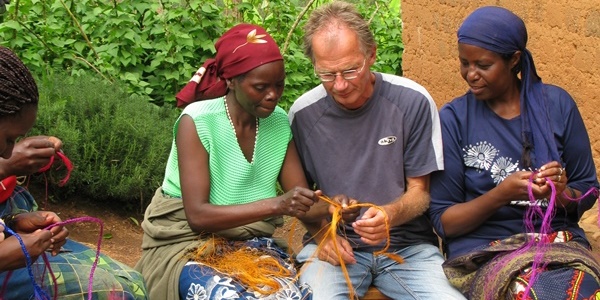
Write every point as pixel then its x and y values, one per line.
pixel 347 75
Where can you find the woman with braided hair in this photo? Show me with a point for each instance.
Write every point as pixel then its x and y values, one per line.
pixel 70 261
pixel 18 110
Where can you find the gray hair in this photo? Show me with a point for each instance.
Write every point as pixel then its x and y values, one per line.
pixel 333 15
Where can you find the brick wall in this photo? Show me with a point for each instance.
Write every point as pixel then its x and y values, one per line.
pixel 564 38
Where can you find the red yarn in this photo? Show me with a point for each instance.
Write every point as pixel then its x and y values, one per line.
pixel 65 161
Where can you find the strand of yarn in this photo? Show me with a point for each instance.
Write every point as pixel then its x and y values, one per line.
pixel 68 164
pixel 95 263
pixel 39 292
pixel 5 284
pixel 37 289
pixel 591 191
pixel 47 264
pixel 541 241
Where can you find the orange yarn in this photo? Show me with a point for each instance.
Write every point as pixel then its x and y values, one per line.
pixel 255 269
pixel 331 233
pixel 258 270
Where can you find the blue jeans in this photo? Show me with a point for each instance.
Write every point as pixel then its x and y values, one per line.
pixel 419 277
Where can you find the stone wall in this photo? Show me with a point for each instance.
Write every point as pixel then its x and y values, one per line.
pixel 564 38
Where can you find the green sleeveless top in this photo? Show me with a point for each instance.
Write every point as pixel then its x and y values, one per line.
pixel 233 180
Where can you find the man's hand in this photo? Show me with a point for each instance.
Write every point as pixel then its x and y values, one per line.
pixel 371 226
pixel 348 214
pixel 327 251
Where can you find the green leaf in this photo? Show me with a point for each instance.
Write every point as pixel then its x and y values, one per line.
pixel 12 24
pixel 130 77
pixel 135 221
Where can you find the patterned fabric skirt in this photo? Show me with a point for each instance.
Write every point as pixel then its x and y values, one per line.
pixel 200 282
pixel 70 270
pixel 71 273
pixel 555 283
pixel 569 270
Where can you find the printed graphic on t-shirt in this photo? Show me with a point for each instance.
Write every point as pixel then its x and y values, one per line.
pixel 484 157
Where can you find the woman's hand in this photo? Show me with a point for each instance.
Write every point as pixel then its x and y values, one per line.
pixel 551 171
pixel 297 201
pixel 31 154
pixel 11 254
pixel 349 215
pixel 37 242
pixel 32 221
pixel 514 187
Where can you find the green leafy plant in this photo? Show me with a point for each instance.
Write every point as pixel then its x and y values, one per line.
pixel 152 46
pixel 155 46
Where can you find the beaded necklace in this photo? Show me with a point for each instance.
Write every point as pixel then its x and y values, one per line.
pixel 235 133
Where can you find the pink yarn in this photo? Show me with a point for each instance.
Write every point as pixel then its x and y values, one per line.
pixel 538 240
pixel 93 269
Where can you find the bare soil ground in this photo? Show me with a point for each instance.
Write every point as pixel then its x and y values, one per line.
pixel 123 234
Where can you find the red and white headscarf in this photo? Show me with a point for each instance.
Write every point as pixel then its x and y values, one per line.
pixel 241 49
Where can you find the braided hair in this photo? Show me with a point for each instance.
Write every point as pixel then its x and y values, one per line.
pixel 17 86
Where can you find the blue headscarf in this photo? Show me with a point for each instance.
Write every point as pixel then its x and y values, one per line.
pixel 499 30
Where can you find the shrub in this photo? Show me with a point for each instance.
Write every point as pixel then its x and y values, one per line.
pixel 118 143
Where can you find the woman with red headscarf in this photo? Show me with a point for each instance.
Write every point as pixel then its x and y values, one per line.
pixel 228 153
